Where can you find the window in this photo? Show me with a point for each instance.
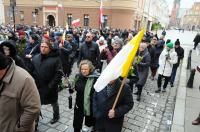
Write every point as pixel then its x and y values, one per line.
pixel 86 20
pixel 69 19
pixel 105 20
pixel 21 13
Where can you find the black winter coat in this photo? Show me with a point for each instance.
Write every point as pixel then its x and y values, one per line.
pixel 64 55
pixel 180 54
pixel 79 103
pixel 102 103
pixel 90 51
pixel 47 72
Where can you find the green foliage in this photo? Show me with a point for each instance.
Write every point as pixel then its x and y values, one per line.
pixel 156 26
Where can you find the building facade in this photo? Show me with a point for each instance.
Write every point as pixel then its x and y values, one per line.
pixel 155 12
pixel 121 14
pixel 116 13
pixel 191 19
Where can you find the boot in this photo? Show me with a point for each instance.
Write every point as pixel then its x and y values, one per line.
pixel 55 119
pixel 196 121
pixel 158 90
pixel 136 93
pixel 164 90
pixel 138 97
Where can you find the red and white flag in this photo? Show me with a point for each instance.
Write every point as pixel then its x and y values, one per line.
pixel 101 15
pixel 76 23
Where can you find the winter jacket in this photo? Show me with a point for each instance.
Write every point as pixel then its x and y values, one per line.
pixel 90 51
pixel 143 67
pixel 166 61
pixel 180 54
pixel 79 101
pixel 102 103
pixel 19 101
pixel 47 72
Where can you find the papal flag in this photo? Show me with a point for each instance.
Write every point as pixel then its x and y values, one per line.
pixel 120 64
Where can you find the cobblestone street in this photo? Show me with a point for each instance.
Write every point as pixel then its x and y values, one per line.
pixel 152 114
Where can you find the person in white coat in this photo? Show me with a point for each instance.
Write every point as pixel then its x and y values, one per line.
pixel 167 58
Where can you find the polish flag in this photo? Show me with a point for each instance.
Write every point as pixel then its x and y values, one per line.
pixel 101 15
pixel 76 23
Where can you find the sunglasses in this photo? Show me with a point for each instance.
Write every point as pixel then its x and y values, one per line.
pixel 88 36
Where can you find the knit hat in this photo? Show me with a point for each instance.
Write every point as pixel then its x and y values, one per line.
pixel 177 42
pixel 70 35
pixel 34 37
pixel 170 45
pixel 58 34
pixel 21 32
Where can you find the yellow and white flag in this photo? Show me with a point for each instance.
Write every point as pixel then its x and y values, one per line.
pixel 120 64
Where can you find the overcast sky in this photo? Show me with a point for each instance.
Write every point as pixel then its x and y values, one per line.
pixel 184 3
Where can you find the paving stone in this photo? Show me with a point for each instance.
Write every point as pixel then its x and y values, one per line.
pixel 62 127
pixel 151 114
pixel 52 130
pixel 127 130
pixel 43 127
pixel 156 124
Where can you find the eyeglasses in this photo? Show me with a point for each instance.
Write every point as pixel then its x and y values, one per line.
pixel 88 36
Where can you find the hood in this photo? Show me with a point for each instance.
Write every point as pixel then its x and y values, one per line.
pixel 10 44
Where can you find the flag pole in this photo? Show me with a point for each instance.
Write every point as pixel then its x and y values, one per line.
pixel 119 92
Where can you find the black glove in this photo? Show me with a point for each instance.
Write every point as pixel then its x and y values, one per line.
pixel 71 91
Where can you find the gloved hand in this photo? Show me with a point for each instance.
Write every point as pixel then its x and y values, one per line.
pixel 71 91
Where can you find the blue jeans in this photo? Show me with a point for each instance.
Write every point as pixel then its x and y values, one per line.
pixel 173 75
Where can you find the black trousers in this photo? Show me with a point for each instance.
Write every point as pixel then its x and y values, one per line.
pixel 56 113
pixel 159 81
pixel 139 87
pixel 78 120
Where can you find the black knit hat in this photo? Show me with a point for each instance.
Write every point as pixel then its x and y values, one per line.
pixel 177 42
pixel 4 61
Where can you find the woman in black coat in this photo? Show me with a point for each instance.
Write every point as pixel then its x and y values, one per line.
pixel 84 82
pixel 47 72
pixel 108 120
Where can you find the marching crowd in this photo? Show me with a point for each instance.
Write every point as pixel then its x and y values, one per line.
pixel 33 61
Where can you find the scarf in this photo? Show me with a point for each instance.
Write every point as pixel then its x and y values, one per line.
pixel 87 92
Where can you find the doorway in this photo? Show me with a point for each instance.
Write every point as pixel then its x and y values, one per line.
pixel 51 20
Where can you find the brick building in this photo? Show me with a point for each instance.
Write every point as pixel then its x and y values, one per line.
pixel 122 14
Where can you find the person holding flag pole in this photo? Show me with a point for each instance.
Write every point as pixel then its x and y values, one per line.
pixel 112 98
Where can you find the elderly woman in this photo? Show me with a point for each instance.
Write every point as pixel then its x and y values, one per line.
pixel 109 54
pixel 142 65
pixel 84 82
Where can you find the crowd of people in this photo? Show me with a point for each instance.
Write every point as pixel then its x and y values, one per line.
pixel 34 59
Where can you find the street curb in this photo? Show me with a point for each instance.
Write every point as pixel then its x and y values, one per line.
pixel 179 111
